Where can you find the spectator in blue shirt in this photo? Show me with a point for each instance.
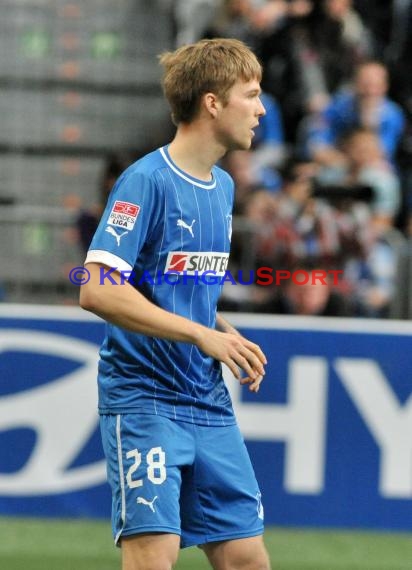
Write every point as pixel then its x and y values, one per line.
pixel 365 106
pixel 268 143
pixel 366 166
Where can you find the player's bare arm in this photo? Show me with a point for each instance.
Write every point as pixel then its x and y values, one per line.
pixel 124 306
pixel 224 326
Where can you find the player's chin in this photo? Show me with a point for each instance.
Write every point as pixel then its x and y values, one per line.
pixel 243 144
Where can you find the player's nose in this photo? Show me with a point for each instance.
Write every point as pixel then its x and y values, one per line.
pixel 261 109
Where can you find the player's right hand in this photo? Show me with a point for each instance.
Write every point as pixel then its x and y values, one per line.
pixel 238 353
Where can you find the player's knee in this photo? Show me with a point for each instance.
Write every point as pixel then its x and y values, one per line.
pixel 242 554
pixel 262 564
pixel 256 565
pixel 136 556
pixel 256 562
pixel 153 563
pixel 253 565
pixel 165 564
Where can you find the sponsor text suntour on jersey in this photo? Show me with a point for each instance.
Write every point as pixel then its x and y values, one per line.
pixel 197 262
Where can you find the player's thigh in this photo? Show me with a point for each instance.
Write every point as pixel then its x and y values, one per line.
pixel 241 554
pixel 220 497
pixel 150 551
pixel 145 455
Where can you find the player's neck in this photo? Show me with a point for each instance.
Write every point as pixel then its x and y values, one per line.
pixel 191 151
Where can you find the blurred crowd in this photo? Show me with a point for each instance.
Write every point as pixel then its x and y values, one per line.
pixel 328 182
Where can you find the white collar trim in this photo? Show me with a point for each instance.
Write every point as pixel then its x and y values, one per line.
pixel 207 186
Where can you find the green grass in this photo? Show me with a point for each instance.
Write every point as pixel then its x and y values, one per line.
pixel 38 544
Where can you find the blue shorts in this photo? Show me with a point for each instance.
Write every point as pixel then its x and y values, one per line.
pixel 176 477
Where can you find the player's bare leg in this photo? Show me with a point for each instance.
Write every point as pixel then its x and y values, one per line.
pixel 150 551
pixel 241 554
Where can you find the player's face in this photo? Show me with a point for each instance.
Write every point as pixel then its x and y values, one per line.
pixel 240 116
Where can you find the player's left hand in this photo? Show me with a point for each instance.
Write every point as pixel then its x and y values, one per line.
pixel 254 383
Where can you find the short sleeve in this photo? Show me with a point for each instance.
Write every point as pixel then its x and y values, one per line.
pixel 126 222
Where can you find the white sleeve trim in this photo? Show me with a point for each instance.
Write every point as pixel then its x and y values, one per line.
pixel 109 259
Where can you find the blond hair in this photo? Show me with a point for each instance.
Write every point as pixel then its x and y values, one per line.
pixel 208 66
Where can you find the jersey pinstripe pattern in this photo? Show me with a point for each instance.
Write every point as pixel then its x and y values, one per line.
pixel 168 217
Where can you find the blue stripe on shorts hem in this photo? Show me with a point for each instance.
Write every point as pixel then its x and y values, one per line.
pixel 195 540
pixel 148 529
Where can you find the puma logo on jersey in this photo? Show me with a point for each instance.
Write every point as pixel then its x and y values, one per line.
pixel 143 501
pixel 183 224
pixel 113 233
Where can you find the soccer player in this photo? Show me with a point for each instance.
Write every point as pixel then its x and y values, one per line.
pixel 177 464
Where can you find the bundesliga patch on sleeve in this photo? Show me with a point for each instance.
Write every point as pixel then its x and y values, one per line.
pixel 123 215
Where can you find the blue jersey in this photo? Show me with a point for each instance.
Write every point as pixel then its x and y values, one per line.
pixel 158 220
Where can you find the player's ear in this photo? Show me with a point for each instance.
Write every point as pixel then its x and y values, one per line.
pixel 211 104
